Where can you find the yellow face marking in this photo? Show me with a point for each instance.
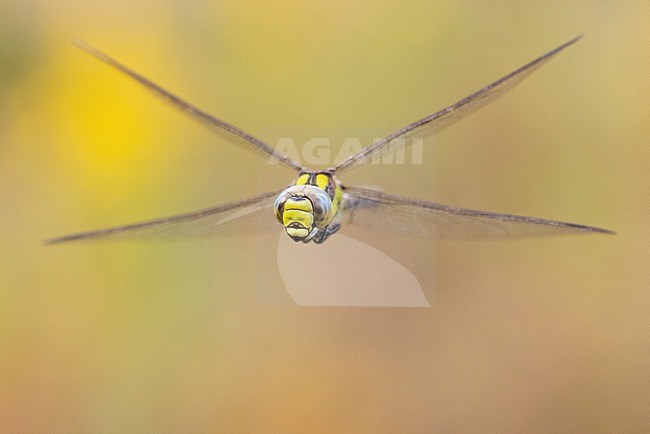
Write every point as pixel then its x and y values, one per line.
pixel 302 204
pixel 305 219
pixel 301 212
pixel 297 233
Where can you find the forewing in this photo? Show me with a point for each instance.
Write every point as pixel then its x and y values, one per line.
pixel 241 217
pixel 223 129
pixel 448 116
pixel 388 213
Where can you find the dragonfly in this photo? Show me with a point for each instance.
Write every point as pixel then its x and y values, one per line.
pixel 316 205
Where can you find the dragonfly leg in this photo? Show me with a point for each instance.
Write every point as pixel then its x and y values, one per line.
pixel 323 235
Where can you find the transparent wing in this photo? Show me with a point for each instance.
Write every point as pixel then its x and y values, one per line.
pixel 399 215
pixel 223 129
pixel 249 215
pixel 447 116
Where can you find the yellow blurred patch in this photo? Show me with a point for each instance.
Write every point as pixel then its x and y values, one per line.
pixel 102 119
pixel 100 115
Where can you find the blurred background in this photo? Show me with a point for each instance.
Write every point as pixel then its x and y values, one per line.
pixel 531 335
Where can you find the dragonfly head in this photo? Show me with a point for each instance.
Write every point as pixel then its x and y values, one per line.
pixel 303 210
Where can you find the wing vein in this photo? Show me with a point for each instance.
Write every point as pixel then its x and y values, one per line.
pixel 219 126
pixel 449 115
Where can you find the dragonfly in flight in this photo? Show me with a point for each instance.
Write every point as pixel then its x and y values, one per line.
pixel 317 204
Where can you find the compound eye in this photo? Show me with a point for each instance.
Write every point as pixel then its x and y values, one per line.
pixel 278 206
pixel 323 210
